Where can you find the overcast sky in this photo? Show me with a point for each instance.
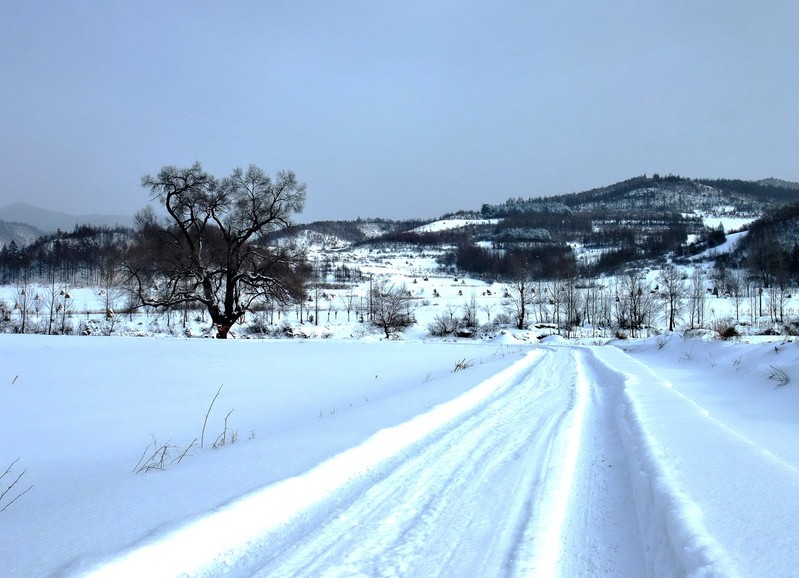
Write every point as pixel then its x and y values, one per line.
pixel 393 109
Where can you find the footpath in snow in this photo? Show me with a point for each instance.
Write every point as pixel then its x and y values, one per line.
pixel 574 461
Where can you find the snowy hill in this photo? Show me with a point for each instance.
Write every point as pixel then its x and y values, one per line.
pixel 452 224
pixel 20 233
pixel 712 197
pixel 780 184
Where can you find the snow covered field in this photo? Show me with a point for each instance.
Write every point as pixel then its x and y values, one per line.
pixel 508 454
pixel 360 457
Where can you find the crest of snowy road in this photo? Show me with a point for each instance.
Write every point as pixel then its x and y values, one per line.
pixel 523 475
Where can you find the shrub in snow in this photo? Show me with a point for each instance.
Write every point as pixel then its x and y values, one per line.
pixel 446 323
pixel 12 492
pixel 259 324
pixel 792 327
pixel 779 375
pixel 502 319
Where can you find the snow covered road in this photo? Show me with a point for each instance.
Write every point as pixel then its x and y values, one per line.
pixel 484 496
pixel 522 475
pixel 556 466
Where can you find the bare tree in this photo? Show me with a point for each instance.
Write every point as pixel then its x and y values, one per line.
pixel 593 304
pixel 755 297
pixel 348 301
pixel 634 304
pixel 543 303
pixel 316 295
pixel 111 276
pixel 569 306
pixel 22 303
pixel 519 295
pixel 51 298
pixel 214 249
pixel 392 306
pixel 487 308
pixel 697 299
pixel 673 291
pixel 737 290
pixel 470 312
pixel 66 307
pixel 777 299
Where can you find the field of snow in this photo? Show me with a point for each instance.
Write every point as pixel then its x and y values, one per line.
pixel 344 457
pixel 727 222
pixel 450 224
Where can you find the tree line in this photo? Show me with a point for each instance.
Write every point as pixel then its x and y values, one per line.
pixel 82 256
pixel 222 247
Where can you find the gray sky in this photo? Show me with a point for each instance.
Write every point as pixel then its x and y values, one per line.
pixel 393 109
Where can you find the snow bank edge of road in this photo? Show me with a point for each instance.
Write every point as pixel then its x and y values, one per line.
pixel 670 523
pixel 220 539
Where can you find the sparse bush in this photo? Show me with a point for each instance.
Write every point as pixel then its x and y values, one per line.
pixel 461 365
pixel 778 374
pixel 260 324
pixel 502 319
pixel 445 323
pixel 688 355
pixel 157 456
pixel 391 307
pixel 226 438
pixel 726 331
pixel 12 489
pixel 792 328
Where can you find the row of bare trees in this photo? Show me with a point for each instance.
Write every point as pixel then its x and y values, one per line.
pixel 629 303
pixel 672 299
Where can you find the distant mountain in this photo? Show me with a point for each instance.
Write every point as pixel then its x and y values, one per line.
pixel 779 183
pixel 50 221
pixel 658 194
pixel 20 233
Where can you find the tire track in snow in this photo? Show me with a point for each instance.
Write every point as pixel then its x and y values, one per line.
pixel 460 505
pixel 587 524
pixel 501 481
pixel 520 488
pixel 235 538
pixel 603 538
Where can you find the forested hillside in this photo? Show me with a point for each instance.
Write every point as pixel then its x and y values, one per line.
pixel 637 223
